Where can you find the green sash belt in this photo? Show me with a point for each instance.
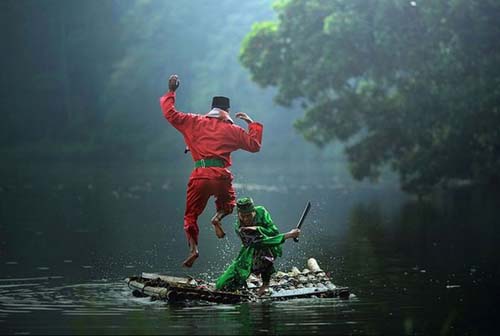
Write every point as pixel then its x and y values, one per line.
pixel 209 162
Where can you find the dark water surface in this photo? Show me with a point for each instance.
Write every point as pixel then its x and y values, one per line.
pixel 70 234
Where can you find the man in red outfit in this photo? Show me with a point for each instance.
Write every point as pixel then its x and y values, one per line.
pixel 211 138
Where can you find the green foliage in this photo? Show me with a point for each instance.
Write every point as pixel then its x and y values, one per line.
pixel 412 85
pixel 82 80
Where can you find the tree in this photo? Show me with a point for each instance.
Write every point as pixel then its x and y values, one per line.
pixel 412 85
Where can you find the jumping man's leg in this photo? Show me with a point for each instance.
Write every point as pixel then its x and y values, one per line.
pixel 193 254
pixel 197 197
pixel 225 200
pixel 216 222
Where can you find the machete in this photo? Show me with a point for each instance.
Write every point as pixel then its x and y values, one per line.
pixel 301 221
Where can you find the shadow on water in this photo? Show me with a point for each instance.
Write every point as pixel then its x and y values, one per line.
pixel 69 235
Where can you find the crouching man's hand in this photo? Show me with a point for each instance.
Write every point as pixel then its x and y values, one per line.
pixel 292 234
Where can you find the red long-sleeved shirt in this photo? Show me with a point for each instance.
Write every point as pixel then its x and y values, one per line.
pixel 211 137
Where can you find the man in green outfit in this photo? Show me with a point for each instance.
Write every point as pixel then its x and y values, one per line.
pixel 261 245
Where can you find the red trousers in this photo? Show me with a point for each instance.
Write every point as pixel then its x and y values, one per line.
pixel 198 193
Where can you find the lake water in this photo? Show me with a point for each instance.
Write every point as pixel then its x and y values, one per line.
pixel 70 234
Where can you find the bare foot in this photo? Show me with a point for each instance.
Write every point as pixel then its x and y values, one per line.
pixel 190 259
pixel 219 232
pixel 262 290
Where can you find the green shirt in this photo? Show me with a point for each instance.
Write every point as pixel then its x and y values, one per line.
pixel 268 237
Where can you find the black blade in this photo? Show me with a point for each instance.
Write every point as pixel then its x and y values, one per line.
pixel 301 221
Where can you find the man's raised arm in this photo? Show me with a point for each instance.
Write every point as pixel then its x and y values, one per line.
pixel 251 141
pixel 167 103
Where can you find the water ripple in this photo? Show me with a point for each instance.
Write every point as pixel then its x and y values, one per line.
pixel 93 298
pixel 109 302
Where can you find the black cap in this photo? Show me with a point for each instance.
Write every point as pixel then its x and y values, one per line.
pixel 220 102
pixel 245 205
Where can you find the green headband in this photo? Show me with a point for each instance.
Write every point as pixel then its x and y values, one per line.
pixel 245 205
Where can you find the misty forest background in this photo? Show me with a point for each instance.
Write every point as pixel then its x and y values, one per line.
pixel 384 114
pixel 411 87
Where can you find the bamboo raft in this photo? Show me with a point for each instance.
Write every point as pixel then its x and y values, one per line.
pixel 311 282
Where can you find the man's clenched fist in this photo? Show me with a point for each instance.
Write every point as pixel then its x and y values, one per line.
pixel 173 83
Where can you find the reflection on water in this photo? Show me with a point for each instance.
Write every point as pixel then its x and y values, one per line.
pixel 71 307
pixel 69 235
